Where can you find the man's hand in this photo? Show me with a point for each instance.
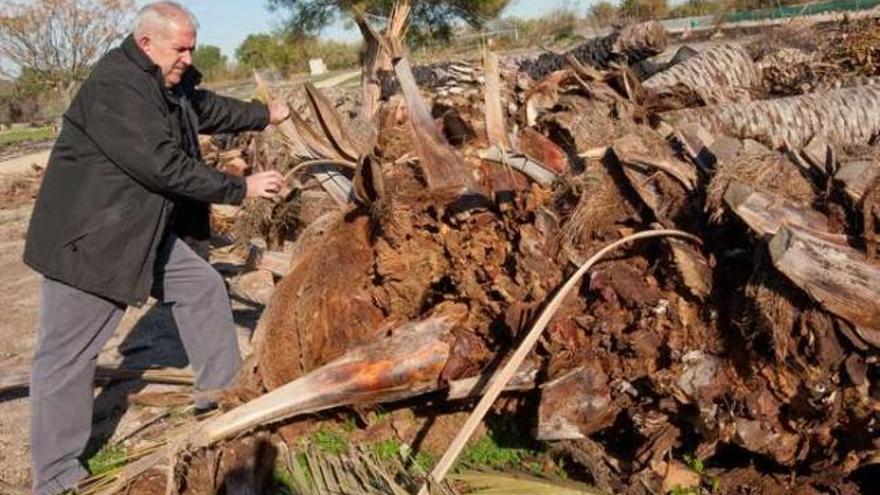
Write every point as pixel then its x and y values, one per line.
pixel 264 184
pixel 278 111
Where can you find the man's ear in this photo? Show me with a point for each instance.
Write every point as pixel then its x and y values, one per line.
pixel 145 43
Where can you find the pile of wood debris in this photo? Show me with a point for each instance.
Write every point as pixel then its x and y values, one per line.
pixel 422 249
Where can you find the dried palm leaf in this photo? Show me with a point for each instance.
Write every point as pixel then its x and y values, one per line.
pixel 494 483
pixel 332 124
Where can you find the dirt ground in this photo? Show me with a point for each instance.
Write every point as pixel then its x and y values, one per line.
pixel 147 337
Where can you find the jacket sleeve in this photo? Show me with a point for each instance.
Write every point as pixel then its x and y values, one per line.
pixel 131 129
pixel 219 114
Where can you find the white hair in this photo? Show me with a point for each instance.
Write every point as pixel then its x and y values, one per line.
pixel 158 15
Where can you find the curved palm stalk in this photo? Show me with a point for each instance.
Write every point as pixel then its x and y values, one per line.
pixel 331 180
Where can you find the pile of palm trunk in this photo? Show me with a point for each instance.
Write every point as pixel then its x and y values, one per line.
pixel 753 352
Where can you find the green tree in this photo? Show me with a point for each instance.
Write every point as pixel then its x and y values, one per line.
pixel 209 60
pixel 259 51
pixel 291 54
pixel 741 5
pixel 604 13
pixel 696 8
pixel 429 18
pixel 644 10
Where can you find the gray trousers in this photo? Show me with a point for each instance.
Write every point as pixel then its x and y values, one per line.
pixel 73 328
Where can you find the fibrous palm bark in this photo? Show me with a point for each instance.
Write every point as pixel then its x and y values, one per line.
pixel 721 66
pixel 850 115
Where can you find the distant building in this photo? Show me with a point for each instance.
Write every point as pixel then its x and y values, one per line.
pixel 317 66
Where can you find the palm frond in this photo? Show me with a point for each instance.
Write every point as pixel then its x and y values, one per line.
pixel 495 483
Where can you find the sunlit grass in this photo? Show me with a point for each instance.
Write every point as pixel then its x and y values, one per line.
pixel 24 135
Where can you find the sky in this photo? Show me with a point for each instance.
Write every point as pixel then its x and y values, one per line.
pixel 226 23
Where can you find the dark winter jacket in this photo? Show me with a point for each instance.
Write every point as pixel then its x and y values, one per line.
pixel 126 157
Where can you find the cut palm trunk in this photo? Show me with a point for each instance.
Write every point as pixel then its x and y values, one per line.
pixel 844 116
pixel 721 66
pixel 838 277
pixel 627 46
pixel 765 213
pixel 856 177
pixel 630 45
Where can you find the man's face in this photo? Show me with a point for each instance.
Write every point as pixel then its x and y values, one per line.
pixel 170 48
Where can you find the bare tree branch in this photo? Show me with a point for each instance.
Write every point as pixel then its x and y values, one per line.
pixel 60 40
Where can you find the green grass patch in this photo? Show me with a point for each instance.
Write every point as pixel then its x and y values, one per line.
pixel 108 458
pixel 487 453
pixel 695 463
pixel 685 491
pixel 425 461
pixel 24 135
pixel 387 449
pixel 332 442
pixel 504 446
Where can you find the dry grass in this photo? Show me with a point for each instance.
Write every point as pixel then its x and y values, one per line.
pixel 766 171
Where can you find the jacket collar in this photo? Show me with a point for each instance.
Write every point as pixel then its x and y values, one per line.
pixel 136 55
pixel 191 78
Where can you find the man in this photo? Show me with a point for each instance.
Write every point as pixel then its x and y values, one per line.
pixel 124 183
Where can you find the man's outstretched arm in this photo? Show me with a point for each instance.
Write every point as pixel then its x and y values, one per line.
pixel 221 114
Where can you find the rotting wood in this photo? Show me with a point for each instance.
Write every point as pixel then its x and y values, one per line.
pixel 277 262
pixel 527 166
pixel 496 129
pixel 855 177
pixel 833 274
pixel 575 405
pixel 632 152
pixel 635 320
pixel 503 375
pixel 766 213
pixel 844 116
pixel 540 148
pixel 629 45
pixel 820 156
